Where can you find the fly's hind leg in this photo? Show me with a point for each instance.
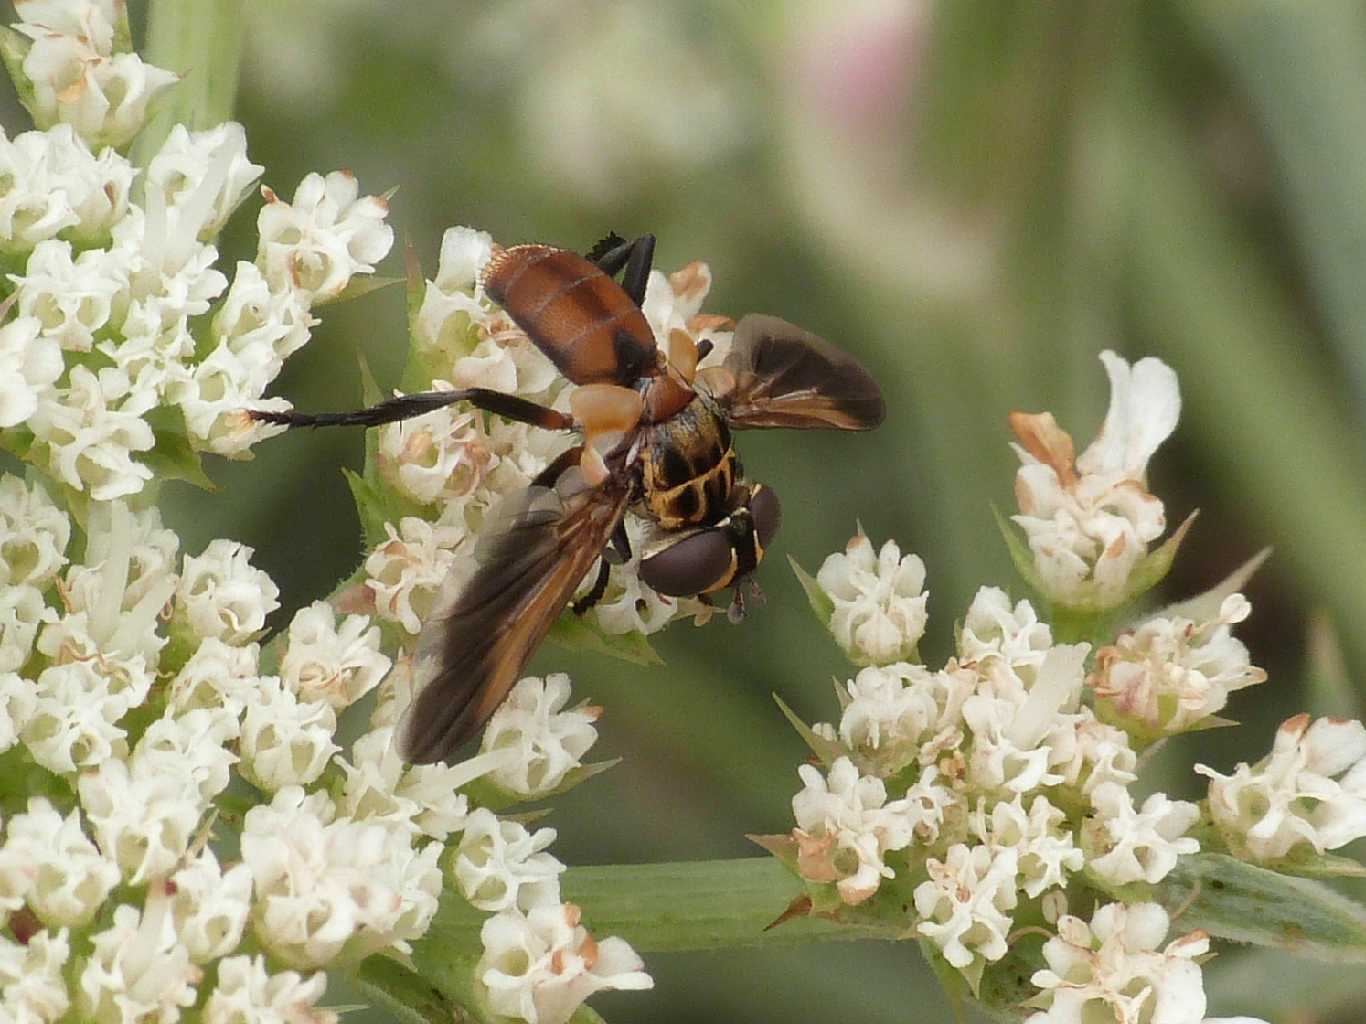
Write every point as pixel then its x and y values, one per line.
pixel 407 406
pixel 613 254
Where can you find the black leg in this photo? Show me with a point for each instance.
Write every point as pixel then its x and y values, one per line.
pixel 635 258
pixel 621 543
pixel 407 406
pixel 599 588
pixel 637 273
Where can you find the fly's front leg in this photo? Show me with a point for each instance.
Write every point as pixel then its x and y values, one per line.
pixel 599 588
pixel 408 406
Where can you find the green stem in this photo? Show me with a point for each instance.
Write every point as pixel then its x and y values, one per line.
pixel 669 908
pixel 657 908
pixel 202 41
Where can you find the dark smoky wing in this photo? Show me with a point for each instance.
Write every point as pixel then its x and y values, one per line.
pixel 527 575
pixel 788 377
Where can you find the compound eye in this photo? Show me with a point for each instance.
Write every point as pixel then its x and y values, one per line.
pixel 767 513
pixel 694 565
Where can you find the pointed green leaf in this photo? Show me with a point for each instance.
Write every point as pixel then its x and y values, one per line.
pixel 816 596
pixel 1204 607
pixel 1332 693
pixel 585 1014
pixel 826 751
pixel 415 284
pixel 370 507
pixel 1324 865
pixel 13 49
pixel 123 32
pixel 172 457
pixel 1244 903
pixel 579 633
pixel 361 285
pixel 782 846
pixel 485 792
pixel 401 992
pixel 1154 566
pixel 1020 554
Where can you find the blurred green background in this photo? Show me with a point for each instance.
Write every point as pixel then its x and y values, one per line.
pixel 974 196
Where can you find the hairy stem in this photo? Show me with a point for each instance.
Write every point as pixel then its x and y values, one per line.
pixel 200 40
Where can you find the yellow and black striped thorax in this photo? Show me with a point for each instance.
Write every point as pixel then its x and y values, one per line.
pixel 688 467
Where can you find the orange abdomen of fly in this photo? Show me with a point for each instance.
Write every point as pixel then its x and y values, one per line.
pixel 574 313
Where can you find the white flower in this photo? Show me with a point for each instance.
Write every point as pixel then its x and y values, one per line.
pixel 673 303
pixel 334 890
pixel 71 297
pixel 1090 522
pixel 964 903
pixel 285 741
pixel 500 864
pixel 1112 970
pixel 327 234
pixel 879 600
pixel 193 746
pixel 538 967
pixel 218 394
pixel 407 572
pixel 139 970
pixel 222 595
pixel 992 629
pixel 1045 852
pixel 1311 789
pixel 454 302
pixel 29 365
pixel 171 272
pixel 897 714
pixel 78 79
pixel 72 725
pixel 210 906
pixel 32 987
pixel 116 600
pixel 845 827
pixel 441 456
pixel 1013 733
pixel 208 169
pixel 143 818
pixel 90 430
pixel 426 798
pixel 48 862
pixel 254 319
pixel 33 534
pixel 335 665
pixel 216 676
pixel 549 741
pixel 33 205
pixel 22 611
pixel 247 993
pixel 1169 674
pixel 1088 752
pixel 1125 844
pixel 17 703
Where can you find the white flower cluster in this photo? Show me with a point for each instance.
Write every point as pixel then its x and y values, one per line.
pixel 178 797
pixel 1089 519
pixel 137 678
pixel 1170 673
pixel 117 309
pixel 988 791
pixel 133 678
pixel 453 466
pixel 1308 793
